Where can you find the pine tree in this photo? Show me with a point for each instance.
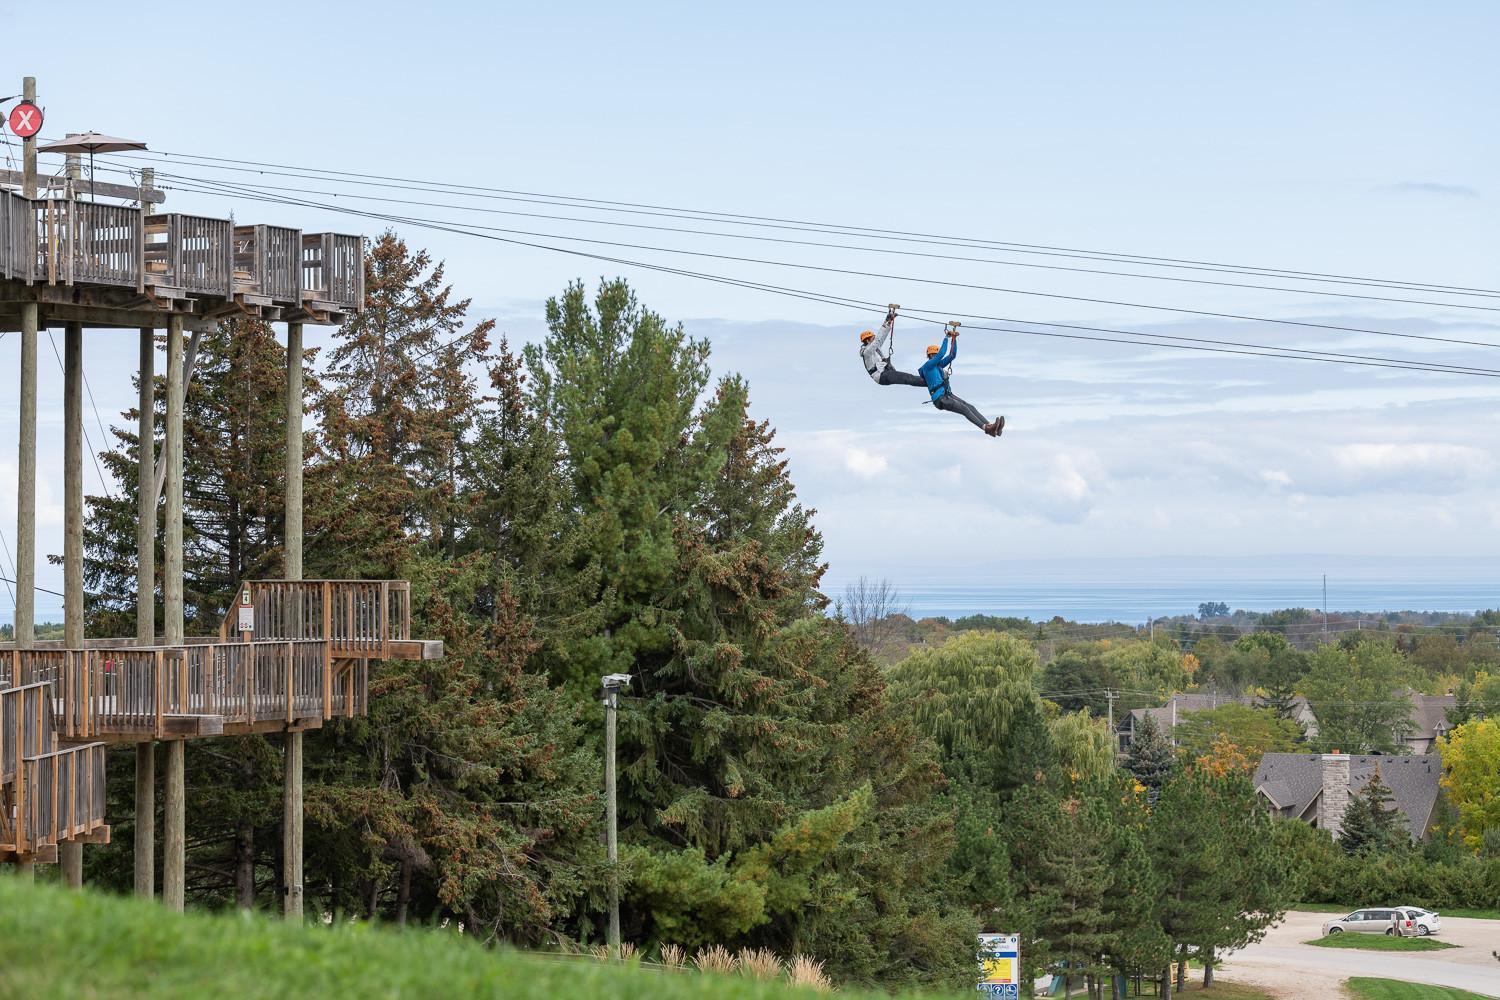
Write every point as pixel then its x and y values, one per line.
pixel 755 714
pixel 1150 756
pixel 1371 821
pixel 233 474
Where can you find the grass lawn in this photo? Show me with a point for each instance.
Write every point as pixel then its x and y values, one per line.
pixel 1390 989
pixel 87 945
pixel 1379 942
pixel 1457 911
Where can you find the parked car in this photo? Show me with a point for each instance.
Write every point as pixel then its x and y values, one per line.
pixel 1370 921
pixel 1425 922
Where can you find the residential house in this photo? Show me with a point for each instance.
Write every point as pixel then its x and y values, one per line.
pixel 1169 715
pixel 1429 720
pixel 1316 788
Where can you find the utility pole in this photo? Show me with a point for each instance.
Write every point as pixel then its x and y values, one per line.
pixel 1325 606
pixel 1109 697
pixel 612 685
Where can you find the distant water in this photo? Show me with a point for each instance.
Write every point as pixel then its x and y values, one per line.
pixel 1134 590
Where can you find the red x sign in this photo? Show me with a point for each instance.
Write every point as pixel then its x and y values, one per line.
pixel 25 119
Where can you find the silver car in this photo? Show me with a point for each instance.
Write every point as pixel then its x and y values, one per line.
pixel 1371 921
pixel 1425 922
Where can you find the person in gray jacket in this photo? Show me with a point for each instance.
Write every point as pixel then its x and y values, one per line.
pixel 877 360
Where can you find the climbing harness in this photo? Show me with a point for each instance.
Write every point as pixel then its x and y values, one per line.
pixel 949 329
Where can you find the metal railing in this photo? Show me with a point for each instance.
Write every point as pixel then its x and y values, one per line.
pixel 269 259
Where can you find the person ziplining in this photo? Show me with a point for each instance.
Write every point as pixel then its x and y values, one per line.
pixel 935 376
pixel 877 357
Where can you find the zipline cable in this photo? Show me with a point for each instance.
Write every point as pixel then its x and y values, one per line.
pixel 1323 293
pixel 261 167
pixel 227 189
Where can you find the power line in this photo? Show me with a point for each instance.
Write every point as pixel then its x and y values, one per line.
pixel 842 246
pixel 225 189
pixel 1269 352
pixel 353 177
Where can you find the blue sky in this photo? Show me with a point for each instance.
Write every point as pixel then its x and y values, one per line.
pixel 1345 137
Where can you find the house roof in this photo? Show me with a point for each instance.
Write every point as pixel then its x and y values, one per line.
pixel 1429 715
pixel 1187 702
pixel 1293 780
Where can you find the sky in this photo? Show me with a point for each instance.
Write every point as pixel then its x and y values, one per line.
pixel 1351 138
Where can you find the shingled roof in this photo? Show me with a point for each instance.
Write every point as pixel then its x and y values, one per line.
pixel 1429 715
pixel 1292 783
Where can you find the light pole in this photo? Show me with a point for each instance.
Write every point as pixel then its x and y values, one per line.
pixel 612 685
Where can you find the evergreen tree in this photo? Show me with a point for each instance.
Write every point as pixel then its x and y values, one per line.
pixel 1371 821
pixel 1150 757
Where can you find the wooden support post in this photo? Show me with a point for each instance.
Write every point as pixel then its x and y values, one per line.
pixel 172 457
pixel 291 833
pixel 173 860
pixel 28 145
pixel 25 622
pixel 291 799
pixel 145 819
pixel 145 608
pixel 145 531
pixel 292 569
pixel 70 851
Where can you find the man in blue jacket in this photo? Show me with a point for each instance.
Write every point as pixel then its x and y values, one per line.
pixel 942 396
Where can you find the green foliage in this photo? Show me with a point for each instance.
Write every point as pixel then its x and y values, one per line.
pixel 91 944
pixel 966 693
pixel 1150 757
pixel 1471 779
pixel 1083 748
pixel 1255 731
pixel 1371 821
pixel 1477 697
pixel 1364 988
pixel 1358 696
pixel 1362 880
pixel 1380 942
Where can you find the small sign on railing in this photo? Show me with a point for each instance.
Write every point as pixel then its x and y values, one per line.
pixel 246 618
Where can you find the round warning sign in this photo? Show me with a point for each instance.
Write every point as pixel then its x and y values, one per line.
pixel 25 119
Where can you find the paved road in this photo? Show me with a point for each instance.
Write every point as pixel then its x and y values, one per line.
pixel 1295 971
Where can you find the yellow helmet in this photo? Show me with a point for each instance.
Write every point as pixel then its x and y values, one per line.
pixel 867 336
pixel 932 349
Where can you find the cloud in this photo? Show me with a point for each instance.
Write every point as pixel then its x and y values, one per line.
pixel 864 464
pixel 1433 187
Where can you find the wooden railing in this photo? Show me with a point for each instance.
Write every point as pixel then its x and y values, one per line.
pixel 268 258
pixel 333 268
pixel 60 795
pixel 141 690
pixel 190 252
pixel 358 617
pixel 51 793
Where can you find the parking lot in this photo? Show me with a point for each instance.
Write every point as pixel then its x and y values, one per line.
pixel 1292 970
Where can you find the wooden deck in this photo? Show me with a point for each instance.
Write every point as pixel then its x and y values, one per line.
pixel 113 265
pixel 305 660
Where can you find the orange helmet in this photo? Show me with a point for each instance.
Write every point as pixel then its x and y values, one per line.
pixel 932 349
pixel 867 336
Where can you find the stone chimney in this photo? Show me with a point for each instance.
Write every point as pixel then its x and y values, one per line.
pixel 1335 796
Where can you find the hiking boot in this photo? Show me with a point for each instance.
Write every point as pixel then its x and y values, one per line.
pixel 995 427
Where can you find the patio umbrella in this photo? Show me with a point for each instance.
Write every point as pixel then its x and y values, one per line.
pixel 91 143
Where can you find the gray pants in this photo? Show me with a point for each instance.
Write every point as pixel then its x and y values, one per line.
pixel 951 403
pixel 891 376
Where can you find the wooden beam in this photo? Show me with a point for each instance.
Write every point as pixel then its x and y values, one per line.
pixel 98 835
pixel 14 178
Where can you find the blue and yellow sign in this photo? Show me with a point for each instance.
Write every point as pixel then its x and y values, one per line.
pixel 999 965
